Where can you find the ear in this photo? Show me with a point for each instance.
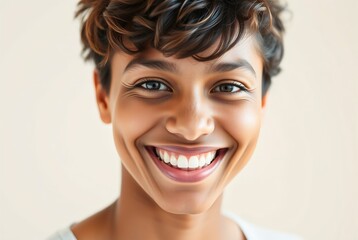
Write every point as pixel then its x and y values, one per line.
pixel 263 103
pixel 264 100
pixel 101 98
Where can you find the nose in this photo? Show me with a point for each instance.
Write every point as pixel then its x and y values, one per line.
pixel 190 119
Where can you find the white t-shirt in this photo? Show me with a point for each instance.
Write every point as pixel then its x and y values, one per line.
pixel 250 231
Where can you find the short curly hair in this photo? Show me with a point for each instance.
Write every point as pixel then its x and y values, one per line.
pixel 180 28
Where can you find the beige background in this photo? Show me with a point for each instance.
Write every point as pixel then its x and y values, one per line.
pixel 57 160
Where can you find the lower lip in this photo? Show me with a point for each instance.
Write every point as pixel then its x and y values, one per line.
pixel 181 175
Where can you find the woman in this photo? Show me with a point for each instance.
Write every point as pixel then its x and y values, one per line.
pixel 184 85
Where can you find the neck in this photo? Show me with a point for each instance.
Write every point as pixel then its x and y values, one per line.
pixel 137 216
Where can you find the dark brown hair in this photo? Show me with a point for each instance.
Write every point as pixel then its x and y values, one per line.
pixel 183 28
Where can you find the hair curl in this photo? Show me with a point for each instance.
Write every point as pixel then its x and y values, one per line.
pixel 184 28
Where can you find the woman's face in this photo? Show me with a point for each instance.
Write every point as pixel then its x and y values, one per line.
pixel 183 129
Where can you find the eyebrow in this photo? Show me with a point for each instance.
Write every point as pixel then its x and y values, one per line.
pixel 171 67
pixel 230 66
pixel 154 64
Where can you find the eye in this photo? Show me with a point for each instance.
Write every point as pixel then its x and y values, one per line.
pixel 232 87
pixel 154 85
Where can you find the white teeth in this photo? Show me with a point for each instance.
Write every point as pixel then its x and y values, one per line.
pixel 208 158
pixel 193 162
pixel 202 161
pixel 161 154
pixel 166 157
pixel 184 162
pixel 173 160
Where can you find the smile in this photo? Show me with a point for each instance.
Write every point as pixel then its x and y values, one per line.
pixel 186 161
pixel 186 164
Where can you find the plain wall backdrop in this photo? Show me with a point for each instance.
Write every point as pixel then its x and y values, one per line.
pixel 58 164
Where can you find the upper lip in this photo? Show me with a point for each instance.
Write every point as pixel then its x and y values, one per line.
pixel 189 150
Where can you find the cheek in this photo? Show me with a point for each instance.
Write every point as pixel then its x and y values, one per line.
pixel 133 119
pixel 243 123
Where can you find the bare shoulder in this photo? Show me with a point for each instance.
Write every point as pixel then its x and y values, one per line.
pixel 95 227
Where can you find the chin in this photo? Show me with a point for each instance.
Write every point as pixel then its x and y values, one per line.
pixel 189 203
pixel 187 209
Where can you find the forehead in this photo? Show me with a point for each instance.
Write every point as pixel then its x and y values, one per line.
pixel 245 51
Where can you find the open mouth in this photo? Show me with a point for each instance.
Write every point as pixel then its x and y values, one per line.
pixel 188 166
pixel 185 162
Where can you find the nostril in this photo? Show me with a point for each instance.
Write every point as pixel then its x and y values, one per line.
pixel 210 122
pixel 190 128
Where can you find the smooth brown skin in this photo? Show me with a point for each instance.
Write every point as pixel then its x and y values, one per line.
pixel 192 113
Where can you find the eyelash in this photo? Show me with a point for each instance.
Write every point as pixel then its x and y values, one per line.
pixel 240 86
pixel 147 81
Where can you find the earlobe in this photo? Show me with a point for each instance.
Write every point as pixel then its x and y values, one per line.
pixel 263 103
pixel 101 98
